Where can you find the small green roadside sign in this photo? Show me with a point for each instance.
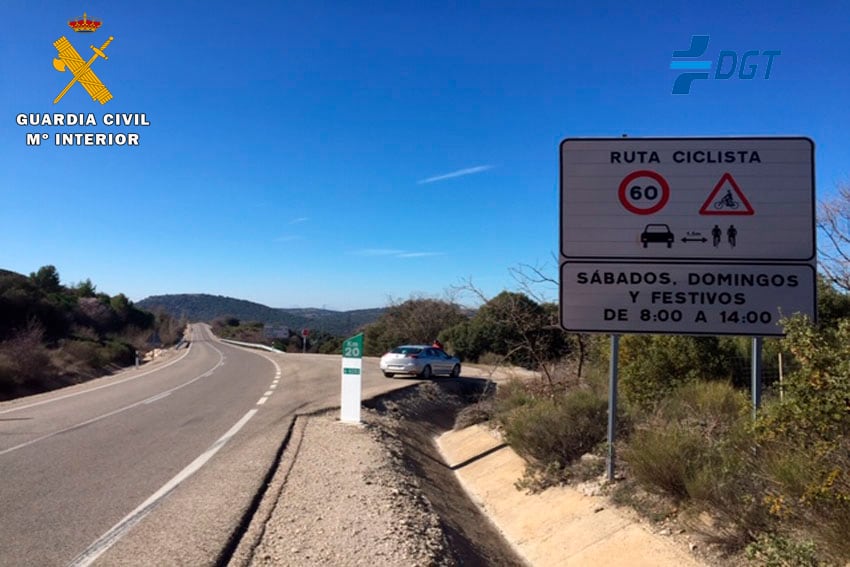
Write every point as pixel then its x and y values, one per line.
pixel 352 374
pixel 353 347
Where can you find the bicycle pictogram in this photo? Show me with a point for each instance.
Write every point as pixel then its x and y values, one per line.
pixel 728 201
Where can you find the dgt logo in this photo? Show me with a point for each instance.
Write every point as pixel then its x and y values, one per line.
pixel 727 62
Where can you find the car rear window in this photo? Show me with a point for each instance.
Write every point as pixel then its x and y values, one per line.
pixel 407 350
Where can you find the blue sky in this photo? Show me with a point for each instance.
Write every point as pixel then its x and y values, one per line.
pixel 337 154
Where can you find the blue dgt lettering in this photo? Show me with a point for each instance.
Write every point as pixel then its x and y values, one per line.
pixel 723 55
pixel 753 67
pixel 770 55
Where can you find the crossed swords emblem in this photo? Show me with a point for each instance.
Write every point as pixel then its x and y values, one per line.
pixel 70 59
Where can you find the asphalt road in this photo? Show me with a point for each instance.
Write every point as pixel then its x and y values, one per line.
pixel 157 465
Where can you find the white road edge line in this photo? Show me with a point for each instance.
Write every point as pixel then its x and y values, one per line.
pixel 262 401
pixel 66 396
pixel 117 531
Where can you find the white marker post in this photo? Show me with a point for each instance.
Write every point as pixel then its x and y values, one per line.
pixel 352 368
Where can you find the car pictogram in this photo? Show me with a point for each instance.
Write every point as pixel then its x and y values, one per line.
pixel 659 233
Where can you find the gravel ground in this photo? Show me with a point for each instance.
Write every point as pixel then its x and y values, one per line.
pixel 373 494
pixel 347 501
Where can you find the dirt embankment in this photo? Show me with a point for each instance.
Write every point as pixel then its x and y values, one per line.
pixel 376 494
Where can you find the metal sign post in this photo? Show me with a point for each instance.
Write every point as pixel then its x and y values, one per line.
pixel 613 372
pixel 352 368
pixel 756 374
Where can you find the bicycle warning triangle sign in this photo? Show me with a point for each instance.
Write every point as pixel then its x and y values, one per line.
pixel 730 202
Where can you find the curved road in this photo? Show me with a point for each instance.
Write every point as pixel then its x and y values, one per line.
pixel 156 465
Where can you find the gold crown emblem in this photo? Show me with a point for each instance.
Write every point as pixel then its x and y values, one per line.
pixel 84 24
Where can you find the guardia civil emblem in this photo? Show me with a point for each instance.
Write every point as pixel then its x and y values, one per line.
pixel 70 59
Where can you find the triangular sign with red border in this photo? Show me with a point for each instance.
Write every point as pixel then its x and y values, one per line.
pixel 733 202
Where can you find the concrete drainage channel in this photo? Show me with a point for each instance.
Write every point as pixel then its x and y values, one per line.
pixel 415 416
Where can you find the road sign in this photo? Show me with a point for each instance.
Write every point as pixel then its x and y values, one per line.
pixel 352 368
pixel 615 192
pixel 727 199
pixel 686 235
pixel 644 192
pixel 276 331
pixel 680 298
pixel 353 347
pixel 305 333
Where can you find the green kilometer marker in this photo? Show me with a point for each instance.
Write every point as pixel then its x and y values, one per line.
pixel 353 347
pixel 351 371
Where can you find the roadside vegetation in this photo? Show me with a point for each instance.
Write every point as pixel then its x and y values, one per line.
pixel 321 342
pixel 774 490
pixel 52 335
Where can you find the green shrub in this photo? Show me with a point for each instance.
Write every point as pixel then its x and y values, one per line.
pixel 771 550
pixel 674 448
pixel 87 353
pixel 509 396
pixel 666 460
pixel 652 366
pixel 557 431
pixel 804 440
pixel 119 353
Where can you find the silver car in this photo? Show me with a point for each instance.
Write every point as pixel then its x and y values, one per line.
pixel 421 360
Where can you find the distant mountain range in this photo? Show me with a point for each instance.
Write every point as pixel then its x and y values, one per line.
pixel 199 307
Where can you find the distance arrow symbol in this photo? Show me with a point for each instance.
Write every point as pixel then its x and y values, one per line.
pixel 686 239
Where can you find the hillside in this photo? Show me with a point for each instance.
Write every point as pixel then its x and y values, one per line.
pixel 205 307
pixel 52 334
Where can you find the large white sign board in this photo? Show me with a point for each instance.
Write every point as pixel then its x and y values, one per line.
pixel 716 199
pixel 721 299
pixel 686 236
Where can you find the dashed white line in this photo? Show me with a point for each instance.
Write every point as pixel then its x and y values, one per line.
pixel 262 401
pixel 269 393
pixel 115 533
pixel 273 386
pixel 158 397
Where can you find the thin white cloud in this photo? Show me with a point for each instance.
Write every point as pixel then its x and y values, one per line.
pixel 299 220
pixel 288 238
pixel 420 254
pixel 394 253
pixel 458 173
pixel 378 252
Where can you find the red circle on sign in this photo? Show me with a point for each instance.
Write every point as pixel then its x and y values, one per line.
pixel 304 332
pixel 665 192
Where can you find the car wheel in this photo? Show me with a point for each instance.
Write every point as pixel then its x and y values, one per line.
pixel 455 371
pixel 426 372
pixel 389 374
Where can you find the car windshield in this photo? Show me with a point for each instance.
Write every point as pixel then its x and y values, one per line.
pixel 407 350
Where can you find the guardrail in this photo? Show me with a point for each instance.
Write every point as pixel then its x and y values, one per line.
pixel 252 345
